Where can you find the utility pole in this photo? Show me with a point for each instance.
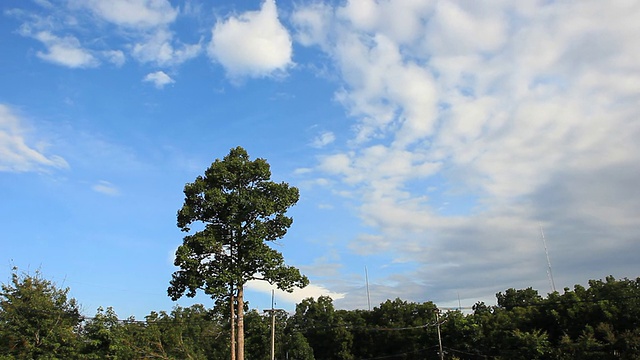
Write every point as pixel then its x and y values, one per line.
pixel 272 311
pixel 439 337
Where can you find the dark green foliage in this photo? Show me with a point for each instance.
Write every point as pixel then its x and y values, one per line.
pixel 103 336
pixel 185 333
pixel 258 336
pixel 324 328
pixel 289 343
pixel 399 314
pixel 37 319
pixel 240 209
pixel 460 332
pixel 295 346
pixel 601 321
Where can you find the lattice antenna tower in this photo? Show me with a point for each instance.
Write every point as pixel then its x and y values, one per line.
pixel 546 252
pixel 366 276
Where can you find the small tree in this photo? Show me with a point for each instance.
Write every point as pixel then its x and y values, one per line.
pixel 239 209
pixel 37 320
pixel 98 333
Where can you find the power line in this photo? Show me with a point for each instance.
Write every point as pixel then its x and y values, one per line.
pixel 401 354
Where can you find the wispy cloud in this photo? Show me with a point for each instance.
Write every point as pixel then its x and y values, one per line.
pixel 16 154
pixel 159 78
pixel 65 51
pixel 115 57
pixel 160 47
pixel 105 187
pixel 132 13
pixel 324 139
pixel 149 22
pixel 253 44
pixel 143 25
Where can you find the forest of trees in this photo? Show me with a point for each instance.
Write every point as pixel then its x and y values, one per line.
pixel 601 321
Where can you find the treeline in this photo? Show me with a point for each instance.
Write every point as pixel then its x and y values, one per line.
pixel 39 321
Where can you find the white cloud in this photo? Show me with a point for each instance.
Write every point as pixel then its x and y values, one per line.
pixel 253 44
pixel 133 13
pixel 44 3
pixel 324 139
pixel 115 57
pixel 456 30
pixel 147 23
pixel 527 113
pixel 301 171
pixel 65 51
pixel 159 79
pixel 143 25
pixel 16 155
pixel 336 164
pixel 295 297
pixel 385 91
pixel 401 20
pixel 105 187
pixel 379 162
pixel 312 23
pixel 158 48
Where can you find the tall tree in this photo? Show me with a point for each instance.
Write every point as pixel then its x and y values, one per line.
pixel 238 210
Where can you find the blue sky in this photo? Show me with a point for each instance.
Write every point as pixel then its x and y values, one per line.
pixel 430 141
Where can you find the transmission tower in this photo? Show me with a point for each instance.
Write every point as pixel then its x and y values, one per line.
pixel 546 252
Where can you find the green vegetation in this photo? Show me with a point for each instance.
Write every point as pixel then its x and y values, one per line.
pixel 37 320
pixel 602 321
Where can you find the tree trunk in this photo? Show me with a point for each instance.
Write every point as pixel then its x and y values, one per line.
pixel 232 320
pixel 240 322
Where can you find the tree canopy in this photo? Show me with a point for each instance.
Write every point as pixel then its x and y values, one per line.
pixel 37 319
